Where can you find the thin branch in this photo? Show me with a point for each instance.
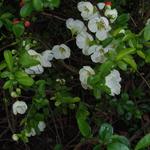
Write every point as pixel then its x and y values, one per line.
pixel 54 16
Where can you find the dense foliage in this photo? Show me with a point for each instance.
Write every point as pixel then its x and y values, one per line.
pixel 82 80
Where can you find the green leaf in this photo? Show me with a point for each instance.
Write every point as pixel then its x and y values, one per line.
pixel 38 5
pixel 129 60
pixel 55 3
pixel 3 65
pixel 147 33
pixel 18 29
pixel 105 68
pixel 122 65
pixel 26 10
pixel 141 54
pixel 23 78
pixel 117 146
pixel 70 99
pixel 97 147
pixel 120 139
pixel 84 127
pixel 105 132
pixel 9 59
pixel 122 20
pixel 26 61
pixel 58 147
pixel 125 52
pixel 143 143
pixel 8 84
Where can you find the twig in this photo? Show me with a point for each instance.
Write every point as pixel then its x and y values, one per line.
pixel 9 45
pixel 144 79
pixel 139 132
pixel 69 67
pixel 54 16
pixel 90 141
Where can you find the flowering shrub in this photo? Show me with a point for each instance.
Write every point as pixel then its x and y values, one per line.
pixel 28 73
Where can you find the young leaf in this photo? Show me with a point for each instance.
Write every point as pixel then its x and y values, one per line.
pixel 23 78
pixel 38 5
pixel 143 143
pixel 84 127
pixel 124 52
pixel 147 33
pixel 9 59
pixel 97 147
pixel 26 10
pixel 129 60
pixel 105 132
pixel 18 29
pixel 26 61
pixel 8 84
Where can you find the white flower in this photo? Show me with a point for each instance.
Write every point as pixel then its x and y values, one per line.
pixel 31 133
pixel 41 126
pixel 113 82
pixel 86 9
pixel 38 69
pixel 61 51
pixel 47 56
pixel 112 14
pixel 19 107
pixel 100 26
pixel 84 73
pixel 98 55
pixel 83 41
pixel 76 26
pixel 101 5
pixel 15 137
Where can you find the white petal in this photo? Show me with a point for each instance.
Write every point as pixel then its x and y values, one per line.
pixel 101 5
pixel 101 35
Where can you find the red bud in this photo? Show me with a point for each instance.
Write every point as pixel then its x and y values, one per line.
pixel 108 3
pixel 27 24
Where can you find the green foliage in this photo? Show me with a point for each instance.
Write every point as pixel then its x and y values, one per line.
pixel 143 143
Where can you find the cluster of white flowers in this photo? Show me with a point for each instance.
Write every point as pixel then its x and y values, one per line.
pixel 41 126
pixel 100 27
pixel 58 52
pixel 97 24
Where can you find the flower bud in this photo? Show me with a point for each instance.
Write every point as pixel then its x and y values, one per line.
pixel 15 137
pixel 14 94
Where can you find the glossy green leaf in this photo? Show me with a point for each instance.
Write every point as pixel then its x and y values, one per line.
pixel 117 146
pixel 105 132
pixel 9 59
pixel 120 139
pixel 143 143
